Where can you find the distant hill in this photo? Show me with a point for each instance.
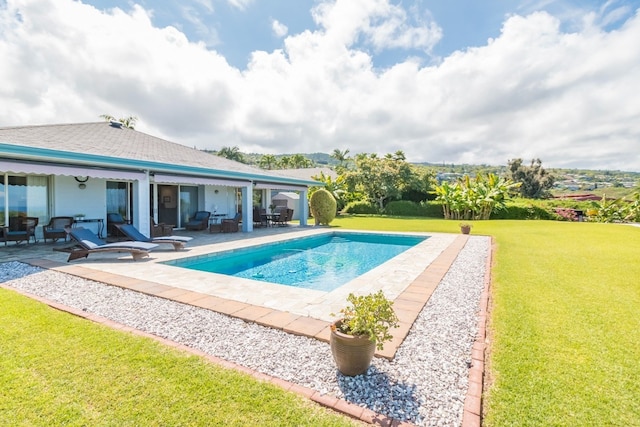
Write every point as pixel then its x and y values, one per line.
pixel 567 180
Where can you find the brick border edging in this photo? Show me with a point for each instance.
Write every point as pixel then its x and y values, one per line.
pixel 472 414
pixel 338 405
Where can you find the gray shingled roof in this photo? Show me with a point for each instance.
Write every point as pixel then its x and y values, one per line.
pixel 103 139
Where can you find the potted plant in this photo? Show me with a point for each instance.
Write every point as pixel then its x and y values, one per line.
pixel 465 227
pixel 363 327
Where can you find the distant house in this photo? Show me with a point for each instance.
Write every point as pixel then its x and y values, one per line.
pixel 97 168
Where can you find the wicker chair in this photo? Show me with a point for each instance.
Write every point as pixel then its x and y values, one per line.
pixel 55 229
pixel 231 225
pixel 161 229
pixel 21 229
pixel 200 221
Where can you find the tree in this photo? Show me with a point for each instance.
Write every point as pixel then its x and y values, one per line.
pixel 340 156
pixel 298 161
pixel 535 181
pixel 379 179
pixel 231 153
pixel 268 161
pixel 128 122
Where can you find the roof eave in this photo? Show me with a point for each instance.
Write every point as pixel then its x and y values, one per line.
pixel 58 156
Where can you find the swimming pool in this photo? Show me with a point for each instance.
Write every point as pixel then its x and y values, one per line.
pixel 322 262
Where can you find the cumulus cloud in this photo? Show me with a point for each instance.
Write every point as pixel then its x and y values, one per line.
pixel 279 29
pixel 536 90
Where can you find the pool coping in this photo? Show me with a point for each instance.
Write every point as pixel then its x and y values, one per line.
pixel 407 305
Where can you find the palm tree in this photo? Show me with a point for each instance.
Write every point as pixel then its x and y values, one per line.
pixel 231 153
pixel 340 156
pixel 128 122
pixel 268 161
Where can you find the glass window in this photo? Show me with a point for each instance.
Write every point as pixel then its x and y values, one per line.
pixel 117 197
pixel 188 202
pixel 27 196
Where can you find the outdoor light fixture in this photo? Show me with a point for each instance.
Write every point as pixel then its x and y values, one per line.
pixel 81 180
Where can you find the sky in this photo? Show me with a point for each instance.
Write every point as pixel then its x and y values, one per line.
pixel 456 81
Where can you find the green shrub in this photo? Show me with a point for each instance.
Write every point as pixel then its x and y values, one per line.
pixel 360 207
pixel 323 206
pixel 523 211
pixel 408 208
pixel 403 208
pixel 432 209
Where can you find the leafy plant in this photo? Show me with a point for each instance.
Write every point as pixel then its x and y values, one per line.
pixel 607 210
pixel 369 315
pixel 474 198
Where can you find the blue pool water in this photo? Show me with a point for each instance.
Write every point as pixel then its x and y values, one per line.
pixel 319 262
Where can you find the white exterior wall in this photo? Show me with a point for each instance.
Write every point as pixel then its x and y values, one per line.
pixel 69 200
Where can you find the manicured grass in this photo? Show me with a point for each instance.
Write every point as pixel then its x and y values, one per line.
pixel 57 369
pixel 565 320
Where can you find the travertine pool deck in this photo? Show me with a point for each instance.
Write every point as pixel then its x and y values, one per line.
pixel 408 279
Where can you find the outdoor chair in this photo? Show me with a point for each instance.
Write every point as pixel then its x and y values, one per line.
pixel 200 221
pixel 161 229
pixel 87 242
pixel 259 217
pixel 231 225
pixel 55 229
pixel 21 229
pixel 134 234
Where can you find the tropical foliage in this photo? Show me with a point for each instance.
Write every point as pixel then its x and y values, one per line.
pixel 128 122
pixel 474 198
pixel 231 153
pixel 616 210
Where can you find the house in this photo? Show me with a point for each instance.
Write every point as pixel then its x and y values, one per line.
pixel 92 169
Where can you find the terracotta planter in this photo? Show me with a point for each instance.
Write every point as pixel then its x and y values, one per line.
pixel 465 229
pixel 352 354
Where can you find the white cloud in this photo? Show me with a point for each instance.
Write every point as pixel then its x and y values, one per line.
pixel 279 29
pixel 534 91
pixel 240 4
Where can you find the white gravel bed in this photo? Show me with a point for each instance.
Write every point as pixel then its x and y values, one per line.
pixel 425 384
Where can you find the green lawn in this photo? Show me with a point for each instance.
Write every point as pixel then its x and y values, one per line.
pixel 565 346
pixel 565 343
pixel 57 369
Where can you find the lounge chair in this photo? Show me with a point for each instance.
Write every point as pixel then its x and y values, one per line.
pixel 87 242
pixel 200 221
pixel 134 234
pixel 55 229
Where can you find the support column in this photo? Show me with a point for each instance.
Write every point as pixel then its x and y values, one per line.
pixel 247 208
pixel 304 207
pixel 141 205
